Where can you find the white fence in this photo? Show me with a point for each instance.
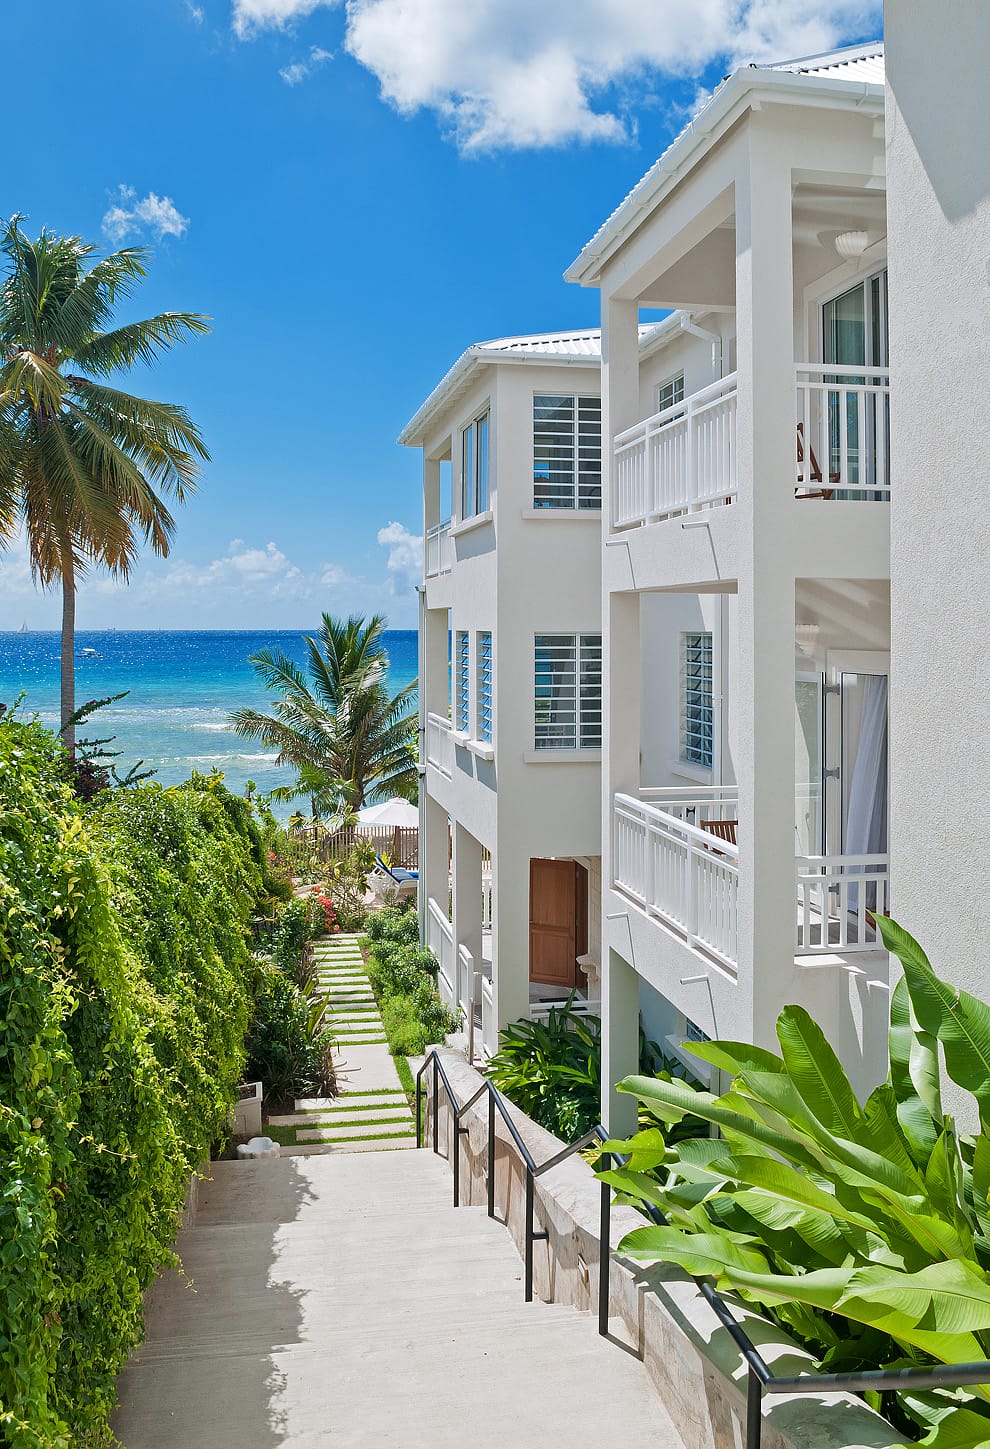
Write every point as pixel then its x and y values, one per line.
pixel 679 460
pixel 674 870
pixel 839 899
pixel 440 939
pixel 843 419
pixel 439 744
pixel 489 1030
pixel 468 993
pixel 439 549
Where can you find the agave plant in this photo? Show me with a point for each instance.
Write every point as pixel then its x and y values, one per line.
pixel 862 1227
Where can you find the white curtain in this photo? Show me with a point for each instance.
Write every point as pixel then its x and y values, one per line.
pixel 866 818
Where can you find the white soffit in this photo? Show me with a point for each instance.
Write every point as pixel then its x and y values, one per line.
pixel 857 66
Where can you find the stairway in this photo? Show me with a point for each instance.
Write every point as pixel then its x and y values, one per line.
pixel 342 1301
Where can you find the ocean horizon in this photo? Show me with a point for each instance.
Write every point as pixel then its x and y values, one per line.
pixel 182 685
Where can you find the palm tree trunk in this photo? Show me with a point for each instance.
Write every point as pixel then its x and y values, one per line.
pixel 68 650
pixel 316 827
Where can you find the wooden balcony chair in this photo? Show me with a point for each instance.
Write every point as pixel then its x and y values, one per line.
pixel 721 829
pixel 802 491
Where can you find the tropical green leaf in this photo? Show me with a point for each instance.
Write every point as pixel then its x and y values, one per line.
pixel 941 1298
pixel 816 1072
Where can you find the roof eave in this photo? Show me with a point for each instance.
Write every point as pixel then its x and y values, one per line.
pixel 734 96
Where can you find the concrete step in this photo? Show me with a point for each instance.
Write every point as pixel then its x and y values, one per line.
pixel 338 1298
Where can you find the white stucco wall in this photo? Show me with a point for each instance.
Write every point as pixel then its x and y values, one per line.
pixel 939 248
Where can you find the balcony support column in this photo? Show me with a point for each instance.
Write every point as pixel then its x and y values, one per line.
pixel 467 896
pixel 764 733
pixel 620 1041
pixel 431 494
pixel 434 857
pixel 510 929
pixel 434 672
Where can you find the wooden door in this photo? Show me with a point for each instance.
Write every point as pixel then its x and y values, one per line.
pixel 558 922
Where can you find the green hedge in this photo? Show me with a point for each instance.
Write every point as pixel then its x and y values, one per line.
pixel 124 974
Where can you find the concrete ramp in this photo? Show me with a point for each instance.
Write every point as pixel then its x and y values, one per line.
pixel 342 1301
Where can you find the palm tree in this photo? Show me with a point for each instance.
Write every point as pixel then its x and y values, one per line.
pixel 85 468
pixel 347 737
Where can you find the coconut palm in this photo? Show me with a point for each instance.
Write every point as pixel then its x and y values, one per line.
pixel 85 468
pixel 335 723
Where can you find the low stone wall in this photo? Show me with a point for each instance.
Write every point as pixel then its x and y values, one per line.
pixel 693 1362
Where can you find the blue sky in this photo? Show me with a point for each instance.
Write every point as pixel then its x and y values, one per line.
pixel 354 193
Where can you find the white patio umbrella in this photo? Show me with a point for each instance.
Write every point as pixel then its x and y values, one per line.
pixel 390 814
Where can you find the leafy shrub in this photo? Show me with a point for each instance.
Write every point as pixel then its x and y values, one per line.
pixel 124 968
pixel 393 926
pixel 552 1069
pixel 404 975
pixel 346 883
pixel 288 1048
pixel 862 1228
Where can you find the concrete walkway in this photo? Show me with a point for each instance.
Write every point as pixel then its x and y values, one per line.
pixel 342 1301
pixel 372 1113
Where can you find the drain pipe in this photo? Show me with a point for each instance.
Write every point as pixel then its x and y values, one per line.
pixel 688 324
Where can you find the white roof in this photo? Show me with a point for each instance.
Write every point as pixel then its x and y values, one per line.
pixel 576 348
pixel 859 68
pixel 853 63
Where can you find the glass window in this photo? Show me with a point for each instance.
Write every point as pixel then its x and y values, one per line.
pixel 670 392
pixel 462 682
pixel 567 451
pixel 568 692
pixel 484 721
pixel 474 467
pixel 696 700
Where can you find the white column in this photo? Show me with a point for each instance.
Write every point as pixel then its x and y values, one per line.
pixel 620 1041
pixel 434 857
pixel 766 454
pixel 431 493
pixel 467 895
pixel 434 673
pixel 510 930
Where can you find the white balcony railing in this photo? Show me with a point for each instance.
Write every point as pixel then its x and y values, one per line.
pixel 843 419
pixel 839 899
pixel 678 461
pixel 675 870
pixel 439 551
pixel 440 939
pixel 439 744
pixel 688 877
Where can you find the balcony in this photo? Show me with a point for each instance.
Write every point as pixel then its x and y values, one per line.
pixel 439 744
pixel 673 860
pixel 678 461
pixel 683 460
pixel 439 549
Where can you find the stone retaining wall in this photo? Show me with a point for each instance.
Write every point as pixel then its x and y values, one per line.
pixel 693 1362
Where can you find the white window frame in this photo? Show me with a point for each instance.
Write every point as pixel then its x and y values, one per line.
pixel 574 483
pixel 697 652
pixel 475 479
pixel 485 686
pixel 570 719
pixel 462 681
pixel 669 392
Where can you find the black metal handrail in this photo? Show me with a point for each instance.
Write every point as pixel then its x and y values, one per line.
pixel 761 1377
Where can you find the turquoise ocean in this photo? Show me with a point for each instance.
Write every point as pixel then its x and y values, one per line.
pixel 182 686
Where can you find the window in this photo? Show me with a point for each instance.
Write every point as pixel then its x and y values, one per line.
pixel 696 699
pixel 568 692
pixel 567 451
pixel 462 685
pixel 484 706
pixel 670 392
pixel 474 467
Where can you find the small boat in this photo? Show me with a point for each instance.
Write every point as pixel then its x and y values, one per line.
pixel 88 653
pixel 24 628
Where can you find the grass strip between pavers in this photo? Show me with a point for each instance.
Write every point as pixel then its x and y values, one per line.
pixel 372 1092
pixel 371 1137
pixel 358 1122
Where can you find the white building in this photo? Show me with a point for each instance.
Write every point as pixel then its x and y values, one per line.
pixel 746 566
pixel 510 671
pixel 939 226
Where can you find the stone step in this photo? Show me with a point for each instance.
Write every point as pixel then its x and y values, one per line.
pixel 345 1134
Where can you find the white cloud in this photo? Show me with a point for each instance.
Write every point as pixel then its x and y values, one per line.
pixel 131 215
pixel 511 73
pixel 250 16
pixel 294 74
pixel 405 556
